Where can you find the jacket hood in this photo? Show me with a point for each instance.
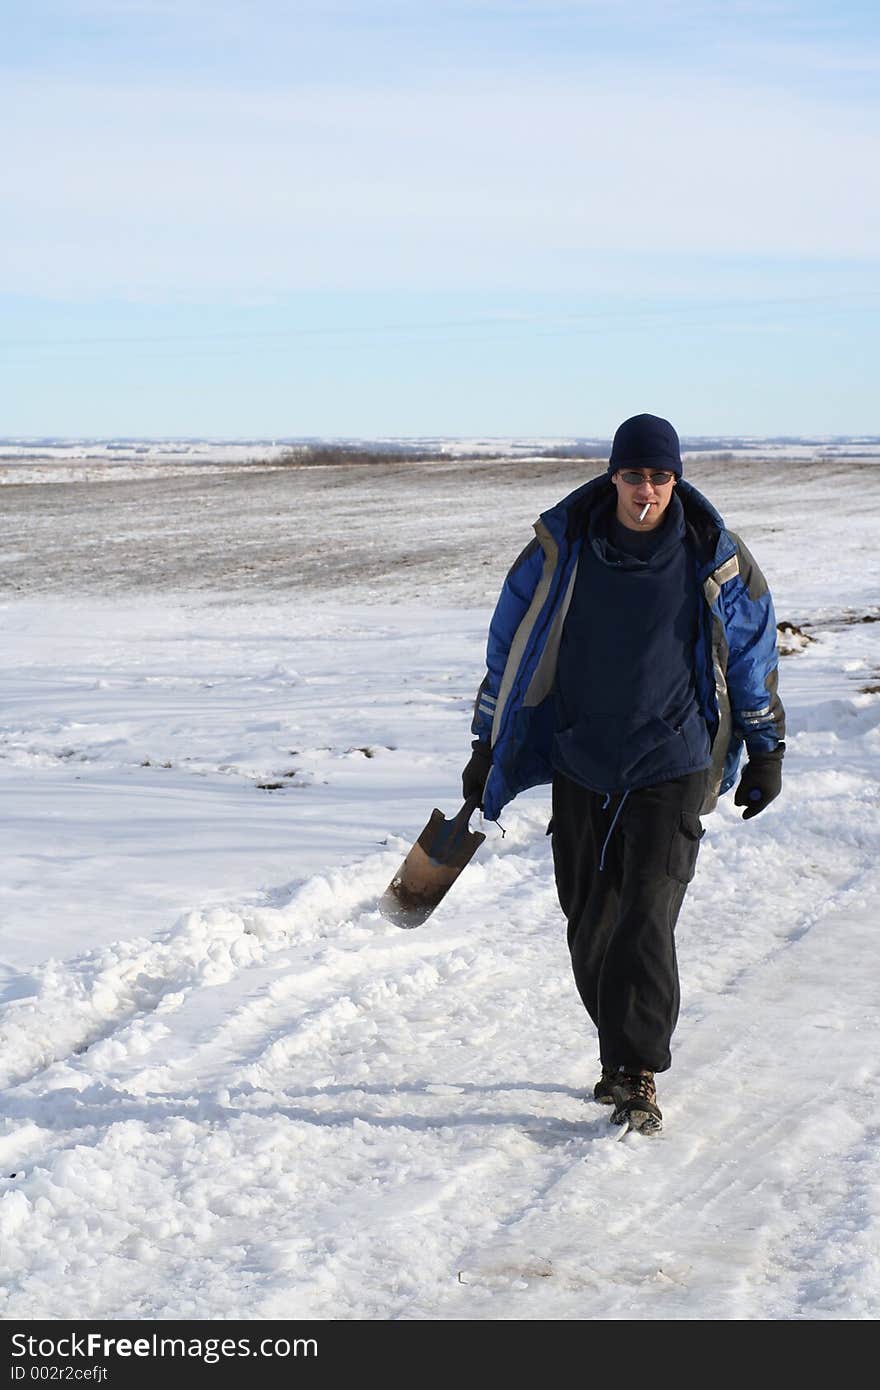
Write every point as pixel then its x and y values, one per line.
pixel 572 517
pixel 666 537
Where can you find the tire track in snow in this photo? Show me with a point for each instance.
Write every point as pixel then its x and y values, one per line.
pixel 323 990
pixel 471 1133
pixel 92 997
pixel 322 995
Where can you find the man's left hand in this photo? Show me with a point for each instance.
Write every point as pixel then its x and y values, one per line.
pixel 760 783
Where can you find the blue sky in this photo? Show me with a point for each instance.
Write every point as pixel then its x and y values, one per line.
pixel 402 218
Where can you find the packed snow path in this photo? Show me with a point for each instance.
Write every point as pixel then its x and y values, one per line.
pixel 290 1108
pixel 231 1089
pixel 278 1112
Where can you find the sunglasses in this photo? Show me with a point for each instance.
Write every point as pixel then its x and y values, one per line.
pixel 659 477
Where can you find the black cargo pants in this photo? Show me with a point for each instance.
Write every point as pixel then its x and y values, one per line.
pixel 622 916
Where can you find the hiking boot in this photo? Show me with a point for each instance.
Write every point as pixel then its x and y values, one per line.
pixel 635 1101
pixel 603 1091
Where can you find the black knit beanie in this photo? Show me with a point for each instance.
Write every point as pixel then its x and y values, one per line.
pixel 646 441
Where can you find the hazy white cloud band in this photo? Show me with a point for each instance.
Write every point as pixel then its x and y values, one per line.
pixel 128 188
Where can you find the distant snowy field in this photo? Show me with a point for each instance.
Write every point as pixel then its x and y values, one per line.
pixel 231 697
pixel 75 460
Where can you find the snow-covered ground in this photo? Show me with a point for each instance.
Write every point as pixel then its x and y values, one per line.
pixel 229 702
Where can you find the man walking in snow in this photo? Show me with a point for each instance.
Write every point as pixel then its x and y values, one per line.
pixel 631 656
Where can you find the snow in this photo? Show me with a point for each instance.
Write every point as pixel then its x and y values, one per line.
pixel 232 1090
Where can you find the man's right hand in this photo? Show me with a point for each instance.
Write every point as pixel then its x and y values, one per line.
pixel 473 778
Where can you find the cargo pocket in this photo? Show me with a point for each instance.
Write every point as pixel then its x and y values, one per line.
pixel 685 847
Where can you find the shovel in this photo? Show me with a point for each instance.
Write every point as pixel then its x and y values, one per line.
pixel 431 867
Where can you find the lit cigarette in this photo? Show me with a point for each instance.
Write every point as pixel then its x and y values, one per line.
pixel 644 512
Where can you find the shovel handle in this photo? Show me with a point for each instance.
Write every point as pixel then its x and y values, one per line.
pixel 463 818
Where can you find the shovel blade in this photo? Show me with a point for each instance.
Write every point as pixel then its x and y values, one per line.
pixel 431 867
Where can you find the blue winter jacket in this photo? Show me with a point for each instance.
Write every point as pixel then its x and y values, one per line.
pixel 735 655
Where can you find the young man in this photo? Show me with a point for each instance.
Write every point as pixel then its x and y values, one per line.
pixel 631 655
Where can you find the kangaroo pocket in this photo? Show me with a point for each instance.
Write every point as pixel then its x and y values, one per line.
pixel 587 751
pixel 611 752
pixel 652 751
pixel 657 750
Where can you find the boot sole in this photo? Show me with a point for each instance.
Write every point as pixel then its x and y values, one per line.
pixel 638 1118
pixel 636 1113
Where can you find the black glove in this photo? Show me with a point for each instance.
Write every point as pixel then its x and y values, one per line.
pixel 761 782
pixel 473 778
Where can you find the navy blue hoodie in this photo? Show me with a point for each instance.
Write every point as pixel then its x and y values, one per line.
pixel 626 707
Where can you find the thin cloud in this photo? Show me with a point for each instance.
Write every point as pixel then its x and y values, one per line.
pixel 461 183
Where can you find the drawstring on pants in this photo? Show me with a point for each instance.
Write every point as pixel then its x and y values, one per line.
pixel 605 804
